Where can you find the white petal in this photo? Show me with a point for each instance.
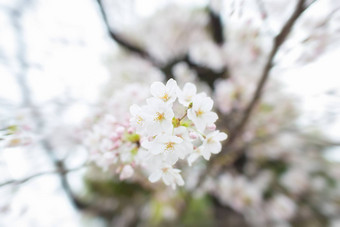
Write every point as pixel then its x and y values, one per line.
pixel 157 89
pixel 155 176
pixel 167 178
pixel 127 172
pixel 170 158
pixel 192 158
pixel 191 114
pixel 176 139
pixel 189 88
pixel 210 117
pixel 221 136
pixel 171 85
pixel 207 104
pixel 146 144
pixel 156 148
pixel 214 148
pixel 135 109
pixel 200 124
pixel 206 154
pixel 179 180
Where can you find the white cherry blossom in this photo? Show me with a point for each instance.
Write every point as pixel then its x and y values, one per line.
pixel 200 113
pixel 166 93
pixel 186 146
pixel 169 146
pixel 138 117
pixel 212 143
pixel 160 117
pixel 186 95
pixel 169 175
pixel 198 152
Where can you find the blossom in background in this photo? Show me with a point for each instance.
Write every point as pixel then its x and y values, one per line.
pixel 281 208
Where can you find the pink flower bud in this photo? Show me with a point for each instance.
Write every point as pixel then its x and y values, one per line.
pixel 193 135
pixel 130 130
pixel 120 130
pixel 117 144
pixel 211 127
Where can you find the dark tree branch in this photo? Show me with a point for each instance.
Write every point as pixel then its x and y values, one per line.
pixel 278 41
pixel 216 27
pixel 204 73
pixel 117 38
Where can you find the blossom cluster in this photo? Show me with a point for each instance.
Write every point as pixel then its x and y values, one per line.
pixel 110 140
pixel 176 124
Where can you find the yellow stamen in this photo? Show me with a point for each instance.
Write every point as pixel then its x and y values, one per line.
pixel 159 116
pixel 140 120
pixel 210 140
pixel 165 97
pixel 170 146
pixel 199 112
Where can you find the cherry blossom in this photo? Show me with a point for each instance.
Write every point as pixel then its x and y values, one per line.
pixel 169 175
pixel 201 113
pixel 166 93
pixel 186 95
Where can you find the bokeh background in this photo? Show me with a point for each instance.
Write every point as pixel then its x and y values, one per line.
pixel 63 62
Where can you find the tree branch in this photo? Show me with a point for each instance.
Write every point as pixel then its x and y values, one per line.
pixel 216 27
pixel 16 16
pixel 231 151
pixel 278 41
pixel 122 42
pixel 204 73
pixel 24 180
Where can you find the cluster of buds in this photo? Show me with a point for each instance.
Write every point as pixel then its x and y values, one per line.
pixel 17 130
pixel 175 124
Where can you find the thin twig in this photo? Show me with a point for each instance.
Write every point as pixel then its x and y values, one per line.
pixel 16 17
pixel 24 180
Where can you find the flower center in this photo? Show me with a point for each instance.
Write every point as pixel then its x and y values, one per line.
pixel 169 146
pixel 199 112
pixel 210 140
pixel 165 97
pixel 140 120
pixel 159 116
pixel 165 169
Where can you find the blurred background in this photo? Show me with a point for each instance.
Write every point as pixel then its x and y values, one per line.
pixel 272 68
